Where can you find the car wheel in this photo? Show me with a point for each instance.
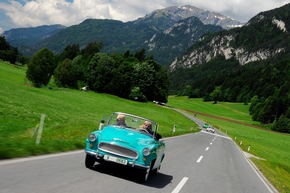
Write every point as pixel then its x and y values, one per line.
pixel 90 161
pixel 144 174
pixel 155 171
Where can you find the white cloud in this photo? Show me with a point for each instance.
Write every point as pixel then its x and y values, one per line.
pixel 29 13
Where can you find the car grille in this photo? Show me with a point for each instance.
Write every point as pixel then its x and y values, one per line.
pixel 118 150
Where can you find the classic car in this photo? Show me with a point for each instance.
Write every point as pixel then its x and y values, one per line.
pixel 127 144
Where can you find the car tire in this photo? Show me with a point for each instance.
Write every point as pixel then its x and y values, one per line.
pixel 90 161
pixel 155 171
pixel 144 174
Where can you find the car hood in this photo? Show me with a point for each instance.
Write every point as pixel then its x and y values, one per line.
pixel 125 136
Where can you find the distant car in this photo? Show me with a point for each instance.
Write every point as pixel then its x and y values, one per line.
pixel 128 145
pixel 210 129
pixel 206 125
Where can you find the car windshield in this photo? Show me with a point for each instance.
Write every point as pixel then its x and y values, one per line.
pixel 130 121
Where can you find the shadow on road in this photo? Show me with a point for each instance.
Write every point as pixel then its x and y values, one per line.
pixel 131 174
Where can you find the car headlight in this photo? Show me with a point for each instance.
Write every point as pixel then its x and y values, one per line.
pixel 146 152
pixel 92 137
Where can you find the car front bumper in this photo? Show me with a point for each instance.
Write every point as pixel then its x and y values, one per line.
pixel 132 163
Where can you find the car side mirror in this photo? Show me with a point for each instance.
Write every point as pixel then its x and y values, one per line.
pixel 101 126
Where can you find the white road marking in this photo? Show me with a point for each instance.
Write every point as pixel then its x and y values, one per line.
pixel 211 143
pixel 199 159
pixel 217 135
pixel 180 185
pixel 206 148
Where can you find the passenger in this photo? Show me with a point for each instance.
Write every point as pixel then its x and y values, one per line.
pixel 121 120
pixel 148 127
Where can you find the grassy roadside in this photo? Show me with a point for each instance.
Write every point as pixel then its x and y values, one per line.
pixel 70 115
pixel 273 147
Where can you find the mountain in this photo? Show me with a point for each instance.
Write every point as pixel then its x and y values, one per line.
pixel 174 14
pixel 23 38
pixel 265 36
pixel 164 33
pixel 177 39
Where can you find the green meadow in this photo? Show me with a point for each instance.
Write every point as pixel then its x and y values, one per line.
pixel 70 115
pixel 233 119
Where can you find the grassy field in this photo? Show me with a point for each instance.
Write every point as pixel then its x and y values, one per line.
pixel 70 115
pixel 272 147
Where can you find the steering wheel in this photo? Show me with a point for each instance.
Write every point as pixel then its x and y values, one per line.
pixel 142 130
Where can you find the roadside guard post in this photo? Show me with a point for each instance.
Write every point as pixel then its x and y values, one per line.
pixel 174 129
pixel 40 129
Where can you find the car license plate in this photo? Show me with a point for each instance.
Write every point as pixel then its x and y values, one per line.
pixel 115 159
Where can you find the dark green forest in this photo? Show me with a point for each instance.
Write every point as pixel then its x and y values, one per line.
pixel 8 52
pixel 132 76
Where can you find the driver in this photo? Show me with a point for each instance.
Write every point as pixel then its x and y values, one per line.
pixel 148 127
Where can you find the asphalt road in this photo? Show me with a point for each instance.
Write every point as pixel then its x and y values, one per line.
pixel 200 162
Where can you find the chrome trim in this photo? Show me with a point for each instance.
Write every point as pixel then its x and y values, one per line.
pixel 116 153
pixel 138 165
pixel 132 163
pixel 90 152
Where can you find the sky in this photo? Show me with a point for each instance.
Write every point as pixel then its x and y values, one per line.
pixel 32 13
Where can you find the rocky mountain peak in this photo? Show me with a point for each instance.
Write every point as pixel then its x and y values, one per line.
pixel 176 13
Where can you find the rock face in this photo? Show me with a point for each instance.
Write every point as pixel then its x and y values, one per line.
pixel 265 36
pixel 222 46
pixel 176 13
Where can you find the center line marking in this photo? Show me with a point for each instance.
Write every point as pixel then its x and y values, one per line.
pixel 199 159
pixel 180 185
pixel 206 148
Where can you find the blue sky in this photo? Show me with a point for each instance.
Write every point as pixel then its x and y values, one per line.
pixel 31 13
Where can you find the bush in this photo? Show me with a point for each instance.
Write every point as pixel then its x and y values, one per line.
pixel 40 68
pixel 65 75
pixel 282 125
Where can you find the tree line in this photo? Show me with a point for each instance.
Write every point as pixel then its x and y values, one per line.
pixel 10 53
pixel 265 85
pixel 133 76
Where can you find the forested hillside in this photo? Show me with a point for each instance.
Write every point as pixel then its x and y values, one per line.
pixel 247 64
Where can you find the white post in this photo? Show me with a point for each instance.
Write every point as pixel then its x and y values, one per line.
pixel 249 147
pixel 40 129
pixel 174 129
pixel 241 142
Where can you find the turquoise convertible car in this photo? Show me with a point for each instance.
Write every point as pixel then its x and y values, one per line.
pixel 128 143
